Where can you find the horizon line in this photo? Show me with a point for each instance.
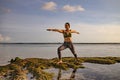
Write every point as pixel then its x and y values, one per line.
pixel 61 43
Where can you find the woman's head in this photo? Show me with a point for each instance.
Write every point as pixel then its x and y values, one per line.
pixel 67 25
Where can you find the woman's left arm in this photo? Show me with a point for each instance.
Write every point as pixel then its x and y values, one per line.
pixel 74 31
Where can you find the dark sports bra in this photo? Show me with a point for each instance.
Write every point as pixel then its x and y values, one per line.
pixel 67 34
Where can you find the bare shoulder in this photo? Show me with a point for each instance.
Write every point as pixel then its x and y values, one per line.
pixel 61 31
pixel 73 30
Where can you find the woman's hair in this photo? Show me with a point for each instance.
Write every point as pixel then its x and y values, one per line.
pixel 67 23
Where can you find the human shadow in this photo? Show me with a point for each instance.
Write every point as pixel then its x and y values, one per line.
pixel 71 77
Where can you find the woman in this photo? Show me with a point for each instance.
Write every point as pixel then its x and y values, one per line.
pixel 67 40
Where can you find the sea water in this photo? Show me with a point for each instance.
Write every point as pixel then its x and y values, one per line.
pixel 9 51
pixel 90 72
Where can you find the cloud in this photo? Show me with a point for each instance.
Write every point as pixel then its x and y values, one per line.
pixel 49 6
pixel 4 38
pixel 69 8
pixel 4 10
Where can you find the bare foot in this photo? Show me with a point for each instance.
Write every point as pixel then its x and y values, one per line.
pixel 60 62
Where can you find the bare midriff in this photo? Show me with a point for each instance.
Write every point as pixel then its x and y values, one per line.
pixel 67 39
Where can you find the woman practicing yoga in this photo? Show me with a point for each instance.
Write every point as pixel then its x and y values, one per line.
pixel 67 40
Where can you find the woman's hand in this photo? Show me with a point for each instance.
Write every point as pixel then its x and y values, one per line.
pixel 77 32
pixel 49 29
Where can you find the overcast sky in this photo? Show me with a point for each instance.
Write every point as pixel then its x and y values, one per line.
pixel 27 20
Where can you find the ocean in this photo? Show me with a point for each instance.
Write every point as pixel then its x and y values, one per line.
pixel 91 71
pixel 9 51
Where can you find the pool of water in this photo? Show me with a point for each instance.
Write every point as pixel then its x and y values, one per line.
pixel 90 72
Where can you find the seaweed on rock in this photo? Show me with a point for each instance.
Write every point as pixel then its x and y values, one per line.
pixel 19 68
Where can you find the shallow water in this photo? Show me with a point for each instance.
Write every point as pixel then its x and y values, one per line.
pixel 90 72
pixel 8 51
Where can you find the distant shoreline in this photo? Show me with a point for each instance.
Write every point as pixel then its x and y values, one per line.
pixel 59 43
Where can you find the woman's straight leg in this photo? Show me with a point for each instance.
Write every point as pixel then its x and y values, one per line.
pixel 71 47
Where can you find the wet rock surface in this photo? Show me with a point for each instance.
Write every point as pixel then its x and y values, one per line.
pixel 19 68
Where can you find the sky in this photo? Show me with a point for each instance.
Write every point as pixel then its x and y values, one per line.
pixel 98 21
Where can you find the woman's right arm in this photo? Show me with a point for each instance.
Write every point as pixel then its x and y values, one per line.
pixel 56 30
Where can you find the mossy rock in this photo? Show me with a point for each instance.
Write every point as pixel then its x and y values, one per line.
pixel 36 66
pixel 100 61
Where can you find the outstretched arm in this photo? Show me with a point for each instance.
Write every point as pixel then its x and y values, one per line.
pixel 56 30
pixel 73 31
